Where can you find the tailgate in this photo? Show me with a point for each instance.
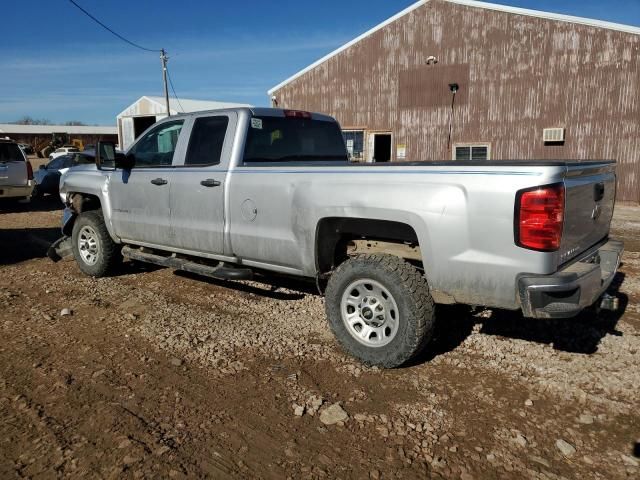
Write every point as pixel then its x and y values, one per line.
pixel 13 168
pixel 589 201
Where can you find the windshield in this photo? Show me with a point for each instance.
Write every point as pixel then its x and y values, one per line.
pixel 58 163
pixel 293 139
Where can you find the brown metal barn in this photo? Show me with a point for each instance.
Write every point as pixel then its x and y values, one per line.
pixel 460 79
pixel 39 136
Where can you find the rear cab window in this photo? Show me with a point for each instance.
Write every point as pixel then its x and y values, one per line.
pixel 207 141
pixel 10 152
pixel 293 139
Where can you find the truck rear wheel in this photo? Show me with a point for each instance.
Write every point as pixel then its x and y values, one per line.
pixel 380 309
pixel 94 250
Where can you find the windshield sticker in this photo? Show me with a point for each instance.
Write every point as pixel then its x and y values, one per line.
pixel 256 123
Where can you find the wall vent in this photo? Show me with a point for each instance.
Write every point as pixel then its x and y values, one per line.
pixel 553 135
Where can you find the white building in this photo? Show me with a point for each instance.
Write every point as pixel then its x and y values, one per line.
pixel 146 111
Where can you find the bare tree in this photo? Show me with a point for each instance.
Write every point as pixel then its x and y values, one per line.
pixel 27 120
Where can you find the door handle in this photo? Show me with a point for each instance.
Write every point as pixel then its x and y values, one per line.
pixel 210 182
pixel 159 181
pixel 598 191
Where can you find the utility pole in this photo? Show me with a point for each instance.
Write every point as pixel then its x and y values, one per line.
pixel 164 58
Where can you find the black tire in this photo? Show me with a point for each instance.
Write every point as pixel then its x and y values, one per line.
pixel 410 292
pixel 108 254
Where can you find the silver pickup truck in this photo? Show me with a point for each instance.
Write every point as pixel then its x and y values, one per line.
pixel 229 193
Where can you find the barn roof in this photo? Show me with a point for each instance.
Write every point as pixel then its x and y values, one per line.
pixel 13 129
pixel 469 3
pixel 185 105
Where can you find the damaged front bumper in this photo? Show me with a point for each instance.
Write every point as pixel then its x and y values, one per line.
pixel 62 247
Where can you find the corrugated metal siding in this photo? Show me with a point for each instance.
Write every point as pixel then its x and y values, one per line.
pixel 518 75
pixel 428 86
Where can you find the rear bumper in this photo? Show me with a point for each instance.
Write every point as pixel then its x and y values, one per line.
pixel 14 191
pixel 567 292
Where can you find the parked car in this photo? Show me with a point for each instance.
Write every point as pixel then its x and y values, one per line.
pixel 26 148
pixel 227 193
pixel 62 151
pixel 16 174
pixel 47 178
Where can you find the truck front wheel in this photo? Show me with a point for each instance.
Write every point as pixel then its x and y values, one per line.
pixel 380 309
pixel 94 250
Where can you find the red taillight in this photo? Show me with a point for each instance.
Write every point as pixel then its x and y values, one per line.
pixel 297 114
pixel 29 170
pixel 539 218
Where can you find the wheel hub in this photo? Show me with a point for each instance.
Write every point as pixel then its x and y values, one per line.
pixel 370 312
pixel 88 245
pixel 367 314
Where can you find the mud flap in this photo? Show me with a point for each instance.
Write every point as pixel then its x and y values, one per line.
pixel 60 249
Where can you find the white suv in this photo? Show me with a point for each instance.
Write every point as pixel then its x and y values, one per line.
pixel 16 174
pixel 63 151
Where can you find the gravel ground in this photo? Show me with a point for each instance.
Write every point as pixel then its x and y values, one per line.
pixel 157 374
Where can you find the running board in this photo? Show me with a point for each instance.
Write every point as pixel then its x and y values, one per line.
pixel 222 271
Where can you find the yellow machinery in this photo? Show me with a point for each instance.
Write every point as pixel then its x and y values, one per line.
pixel 59 140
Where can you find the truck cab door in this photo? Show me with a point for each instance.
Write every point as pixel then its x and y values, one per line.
pixel 140 197
pixel 198 189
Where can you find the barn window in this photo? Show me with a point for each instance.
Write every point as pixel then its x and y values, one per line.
pixel 354 141
pixel 475 153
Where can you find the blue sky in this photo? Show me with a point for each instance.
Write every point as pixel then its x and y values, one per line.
pixel 71 69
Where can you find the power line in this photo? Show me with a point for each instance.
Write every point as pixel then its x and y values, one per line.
pixel 163 55
pixel 109 30
pixel 174 90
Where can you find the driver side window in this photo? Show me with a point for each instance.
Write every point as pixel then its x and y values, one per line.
pixel 157 147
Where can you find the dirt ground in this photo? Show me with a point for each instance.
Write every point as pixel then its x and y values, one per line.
pixel 36 162
pixel 155 374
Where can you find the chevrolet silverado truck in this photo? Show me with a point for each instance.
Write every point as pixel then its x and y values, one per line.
pixel 229 193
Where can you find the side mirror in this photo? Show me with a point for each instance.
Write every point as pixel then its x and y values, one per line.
pixel 125 162
pixel 106 155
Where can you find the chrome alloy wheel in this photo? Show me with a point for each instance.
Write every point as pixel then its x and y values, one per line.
pixel 88 245
pixel 370 313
